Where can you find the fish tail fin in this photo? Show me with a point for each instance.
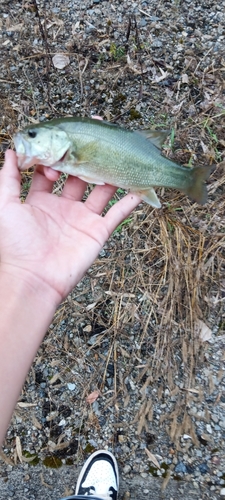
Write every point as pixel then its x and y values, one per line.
pixel 197 188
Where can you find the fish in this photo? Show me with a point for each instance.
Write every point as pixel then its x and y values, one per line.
pixel 99 152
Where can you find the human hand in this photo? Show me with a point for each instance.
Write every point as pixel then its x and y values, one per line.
pixel 50 239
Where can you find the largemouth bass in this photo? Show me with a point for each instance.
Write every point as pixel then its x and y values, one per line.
pixel 99 152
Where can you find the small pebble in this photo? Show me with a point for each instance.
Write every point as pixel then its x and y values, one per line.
pixel 180 468
pixel 62 422
pixel 71 387
pixel 126 469
pixel 222 423
pixel 203 468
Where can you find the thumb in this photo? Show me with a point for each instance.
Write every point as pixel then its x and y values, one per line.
pixel 9 178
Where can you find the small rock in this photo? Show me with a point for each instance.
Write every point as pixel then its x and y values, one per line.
pixel 181 468
pixel 126 469
pixel 216 460
pixel 95 408
pixel 203 468
pixel 156 43
pixel 144 474
pixel 143 22
pixel 190 469
pixel 154 18
pixel 71 387
pixel 222 492
pixel 195 485
pixel 186 436
pixel 121 438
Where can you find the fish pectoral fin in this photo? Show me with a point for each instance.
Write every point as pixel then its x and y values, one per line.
pixel 149 195
pixel 88 152
pixel 156 137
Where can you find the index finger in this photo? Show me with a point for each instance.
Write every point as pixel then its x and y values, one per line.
pixel 10 177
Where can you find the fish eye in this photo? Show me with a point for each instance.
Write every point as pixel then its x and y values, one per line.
pixel 32 133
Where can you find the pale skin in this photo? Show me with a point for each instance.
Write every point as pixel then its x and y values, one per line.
pixel 46 246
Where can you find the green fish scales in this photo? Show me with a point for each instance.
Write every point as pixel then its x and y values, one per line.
pixel 99 152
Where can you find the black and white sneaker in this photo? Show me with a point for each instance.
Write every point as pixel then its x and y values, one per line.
pixel 99 476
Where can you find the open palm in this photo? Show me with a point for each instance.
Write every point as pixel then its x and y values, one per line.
pixel 50 238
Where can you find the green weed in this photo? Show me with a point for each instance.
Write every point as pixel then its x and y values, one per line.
pixel 124 223
pixel 172 138
pixel 116 52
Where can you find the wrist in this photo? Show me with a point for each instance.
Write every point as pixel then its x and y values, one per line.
pixel 27 307
pixel 24 283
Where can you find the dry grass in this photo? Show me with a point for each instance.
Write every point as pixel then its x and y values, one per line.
pixel 164 271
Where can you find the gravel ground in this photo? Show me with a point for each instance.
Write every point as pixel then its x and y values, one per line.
pixel 28 484
pixel 121 366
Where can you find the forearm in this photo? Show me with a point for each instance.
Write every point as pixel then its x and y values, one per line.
pixel 26 310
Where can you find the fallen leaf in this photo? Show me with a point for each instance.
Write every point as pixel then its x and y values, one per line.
pixel 29 459
pixel 176 109
pixel 152 458
pixel 91 398
pixel 164 74
pixel 55 378
pixel 6 459
pixel 205 148
pixel 44 483
pixel 166 480
pixel 203 331
pixel 62 446
pixel 60 61
pixel 16 27
pixel 36 423
pixel 19 449
pixel 25 405
pixel 91 306
pixel 206 437
pixel 52 415
pixel 87 328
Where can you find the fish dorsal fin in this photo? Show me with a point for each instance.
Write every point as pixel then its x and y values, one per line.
pixel 157 137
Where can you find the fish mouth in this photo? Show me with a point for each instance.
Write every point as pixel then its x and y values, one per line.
pixel 26 159
pixel 63 157
pixel 25 162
